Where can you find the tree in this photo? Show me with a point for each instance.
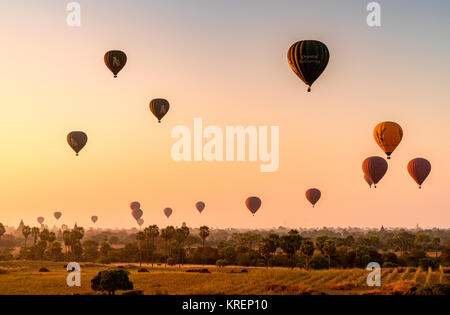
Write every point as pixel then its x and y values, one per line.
pixel 140 237
pixel 26 231
pixel 204 233
pixel 2 230
pixel 151 233
pixel 268 246
pixel 35 234
pixel 436 243
pixel 167 234
pixel 111 281
pixel 90 250
pixel 181 235
pixel 307 251
pixel 290 243
pixel 329 249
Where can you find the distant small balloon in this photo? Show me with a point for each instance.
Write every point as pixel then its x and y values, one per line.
pixel 140 222
pixel 313 195
pixel 419 169
pixel 135 205
pixel 168 212
pixel 253 204
pixel 115 60
pixel 159 107
pixel 57 215
pixel 77 140
pixel 200 206
pixel 137 214
pixel 374 168
pixel 40 220
pixel 94 218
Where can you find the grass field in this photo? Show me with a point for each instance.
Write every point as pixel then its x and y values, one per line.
pixel 23 277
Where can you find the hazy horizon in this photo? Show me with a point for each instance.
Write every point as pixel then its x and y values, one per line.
pixel 223 61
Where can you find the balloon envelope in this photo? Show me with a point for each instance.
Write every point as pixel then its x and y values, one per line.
pixel 200 206
pixel 40 220
pixel 135 205
pixel 313 195
pixel 388 135
pixel 419 169
pixel 77 140
pixel 137 213
pixel 115 60
pixel 308 59
pixel 253 204
pixel 57 215
pixel 374 168
pixel 140 222
pixel 159 107
pixel 168 212
pixel 94 218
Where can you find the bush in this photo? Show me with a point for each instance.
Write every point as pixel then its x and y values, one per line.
pixel 112 280
pixel 221 263
pixel 319 261
pixel 171 262
pixel 142 270
pixel 435 289
pixel 428 262
pixel 43 269
pixel 389 264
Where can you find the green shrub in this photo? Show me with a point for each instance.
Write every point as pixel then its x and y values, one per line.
pixel 221 263
pixel 111 280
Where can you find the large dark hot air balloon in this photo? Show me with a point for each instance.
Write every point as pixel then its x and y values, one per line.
pixel 253 204
pixel 388 135
pixel 308 59
pixel 77 140
pixel 115 60
pixel 94 219
pixel 159 107
pixel 168 212
pixel 57 215
pixel 369 182
pixel 137 213
pixel 40 220
pixel 374 168
pixel 200 206
pixel 419 169
pixel 135 205
pixel 313 195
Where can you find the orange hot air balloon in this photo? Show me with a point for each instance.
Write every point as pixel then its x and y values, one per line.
pixel 168 212
pixel 253 204
pixel 135 205
pixel 388 135
pixel 94 218
pixel 40 220
pixel 115 60
pixel 313 195
pixel 374 168
pixel 419 169
pixel 77 140
pixel 367 179
pixel 57 215
pixel 200 206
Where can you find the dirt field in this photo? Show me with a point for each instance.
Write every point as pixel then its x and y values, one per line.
pixel 20 277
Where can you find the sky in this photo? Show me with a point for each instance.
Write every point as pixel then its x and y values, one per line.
pixel 223 61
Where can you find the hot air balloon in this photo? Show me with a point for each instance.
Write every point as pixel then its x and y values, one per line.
pixel 200 206
pixel 313 195
pixel 40 220
pixel 308 59
pixel 64 227
pixel 159 107
pixel 57 215
pixel 94 219
pixel 135 205
pixel 367 179
pixel 140 222
pixel 168 212
pixel 253 204
pixel 77 140
pixel 419 169
pixel 137 213
pixel 388 135
pixel 374 168
pixel 115 60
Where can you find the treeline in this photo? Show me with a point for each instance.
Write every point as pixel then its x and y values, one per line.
pixel 172 245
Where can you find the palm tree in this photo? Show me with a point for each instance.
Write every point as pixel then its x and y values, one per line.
pixel 26 231
pixel 152 233
pixel 35 231
pixel 204 233
pixel 140 237
pixel 167 234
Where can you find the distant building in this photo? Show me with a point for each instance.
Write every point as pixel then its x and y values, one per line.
pixel 20 227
